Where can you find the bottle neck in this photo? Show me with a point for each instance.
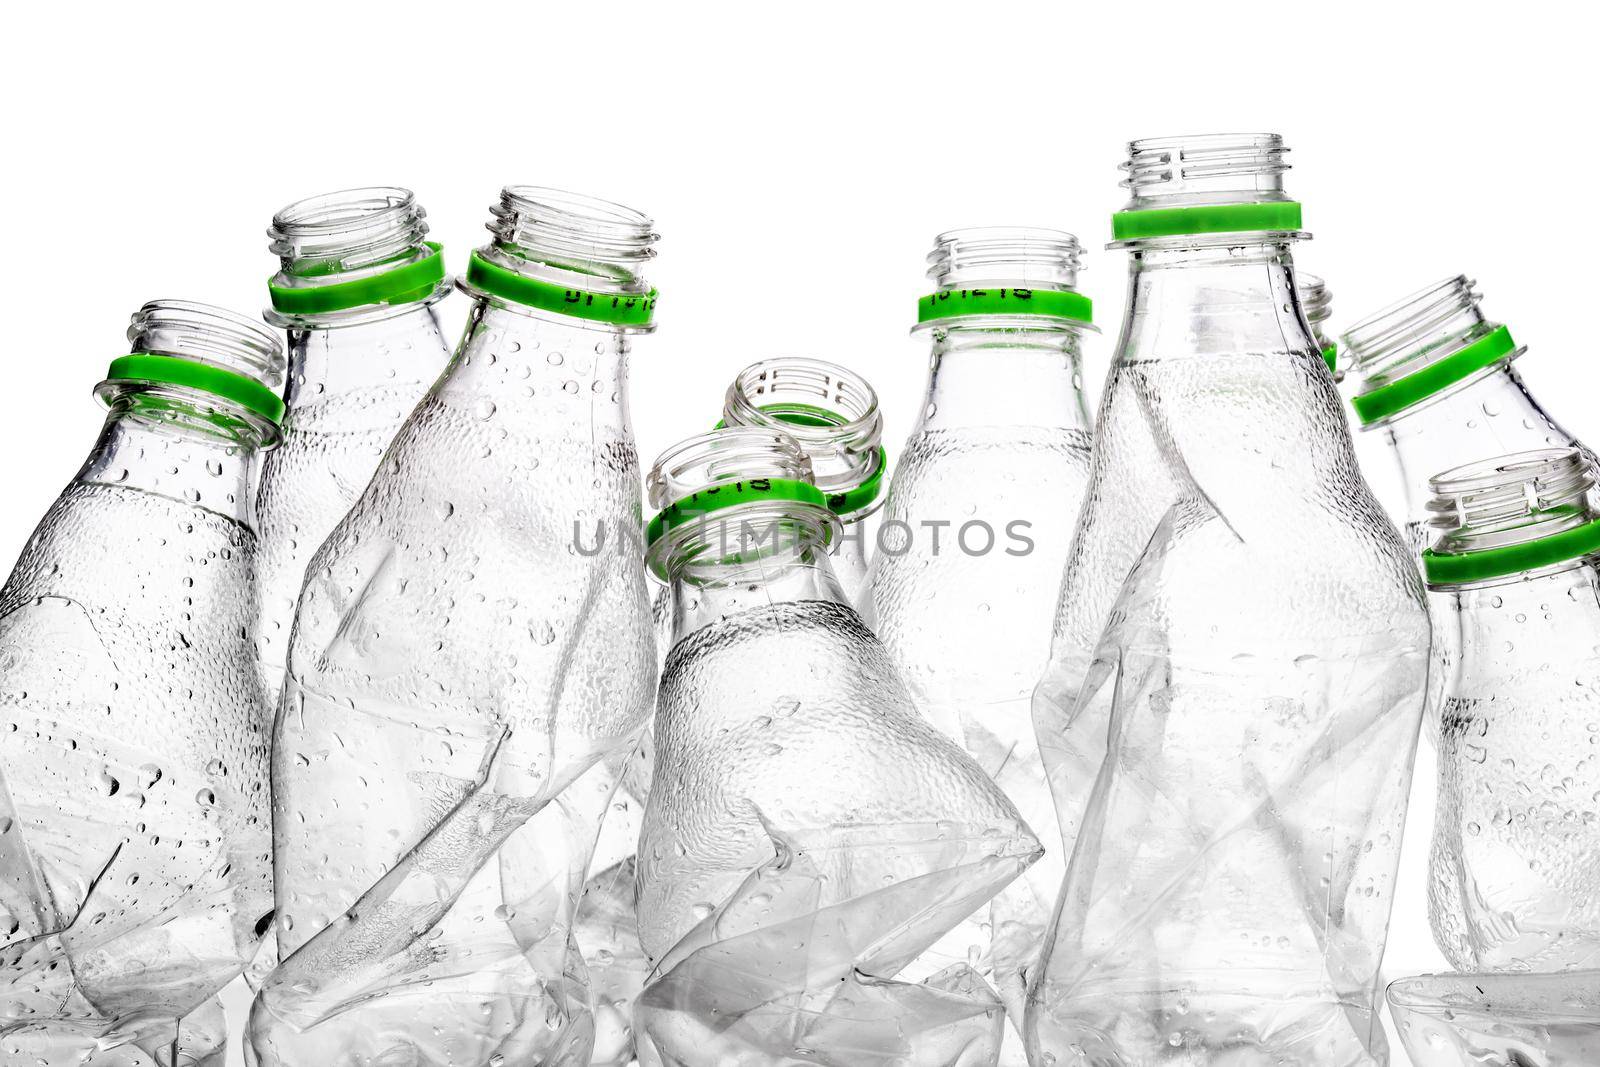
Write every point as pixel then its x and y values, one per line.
pixel 326 362
pixel 983 376
pixel 1490 414
pixel 558 376
pixel 1198 303
pixel 183 458
pixel 731 566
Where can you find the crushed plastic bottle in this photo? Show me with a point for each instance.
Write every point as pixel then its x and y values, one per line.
pixel 1499 1020
pixel 135 865
pixel 356 293
pixel 833 413
pixel 1515 878
pixel 1437 380
pixel 473 641
pixel 808 833
pixel 1239 662
pixel 977 526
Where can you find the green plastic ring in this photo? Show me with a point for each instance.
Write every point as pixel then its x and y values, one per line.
pixel 1330 353
pixel 717 497
pixel 1462 567
pixel 1278 215
pixel 617 309
pixel 414 281
pixel 170 370
pixel 856 497
pixel 1051 303
pixel 1401 393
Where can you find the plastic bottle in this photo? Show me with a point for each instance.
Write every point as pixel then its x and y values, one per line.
pixel 976 529
pixel 1438 382
pixel 357 293
pixel 1514 883
pixel 808 833
pixel 472 642
pixel 1521 1020
pixel 135 867
pixel 1239 661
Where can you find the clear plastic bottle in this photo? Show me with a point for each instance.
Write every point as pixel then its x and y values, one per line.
pixel 1438 382
pixel 833 413
pixel 1515 882
pixel 135 866
pixel 472 642
pixel 977 525
pixel 808 832
pixel 1239 662
pixel 356 293
pixel 1519 1020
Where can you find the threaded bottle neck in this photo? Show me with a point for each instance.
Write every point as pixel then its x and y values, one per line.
pixel 1425 327
pixel 1026 257
pixel 571 239
pixel 831 411
pixel 733 498
pixel 1510 500
pixel 1218 168
pixel 211 335
pixel 348 233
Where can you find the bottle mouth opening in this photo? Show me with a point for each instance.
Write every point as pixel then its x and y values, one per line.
pixel 1510 500
pixel 831 411
pixel 596 240
pixel 1212 168
pixel 726 455
pixel 1011 256
pixel 1432 320
pixel 346 231
pixel 752 480
pixel 210 335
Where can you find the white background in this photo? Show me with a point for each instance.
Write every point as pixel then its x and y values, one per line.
pixel 798 160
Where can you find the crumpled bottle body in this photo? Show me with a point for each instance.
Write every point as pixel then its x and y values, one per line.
pixel 1231 754
pixel 134 824
pixel 1515 884
pixel 1551 1020
pixel 368 377
pixel 472 641
pixel 966 620
pixel 808 836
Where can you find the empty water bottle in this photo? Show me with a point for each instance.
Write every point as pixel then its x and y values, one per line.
pixel 808 833
pixel 1515 885
pixel 135 867
pixel 1438 382
pixel 1499 1020
pixel 1239 661
pixel 472 640
pixel 977 525
pixel 357 293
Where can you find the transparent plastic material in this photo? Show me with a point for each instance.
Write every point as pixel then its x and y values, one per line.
pixel 354 376
pixel 808 833
pixel 1316 301
pixel 473 641
pixel 1515 880
pixel 977 524
pixel 1486 414
pixel 1499 1020
pixel 135 874
pixel 833 412
pixel 1238 672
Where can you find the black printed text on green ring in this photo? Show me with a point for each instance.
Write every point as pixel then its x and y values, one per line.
pixel 616 309
pixel 402 285
pixel 1047 303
